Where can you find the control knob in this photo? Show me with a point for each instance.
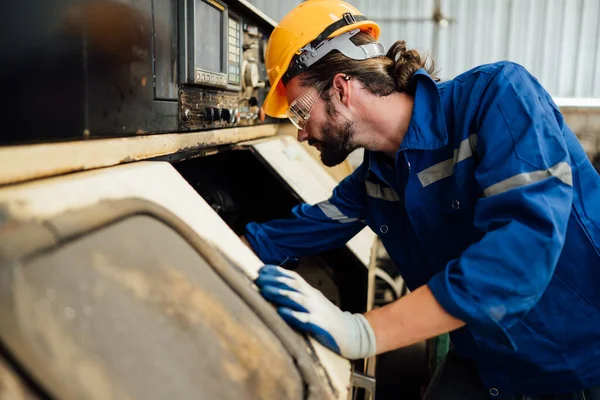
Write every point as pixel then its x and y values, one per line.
pixel 250 74
pixel 212 114
pixel 227 115
pixel 208 114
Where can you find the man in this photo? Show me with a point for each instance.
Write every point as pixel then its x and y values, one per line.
pixel 481 194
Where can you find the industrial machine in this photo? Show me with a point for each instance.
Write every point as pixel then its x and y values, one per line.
pixel 103 69
pixel 133 151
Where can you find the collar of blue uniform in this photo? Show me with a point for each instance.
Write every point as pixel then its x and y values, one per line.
pixel 427 128
pixel 380 167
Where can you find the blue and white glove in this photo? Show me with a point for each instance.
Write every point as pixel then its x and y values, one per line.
pixel 307 309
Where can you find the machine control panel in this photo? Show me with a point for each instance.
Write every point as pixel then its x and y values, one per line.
pixel 226 80
pixel 133 67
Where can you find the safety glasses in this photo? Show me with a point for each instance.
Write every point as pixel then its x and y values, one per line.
pixel 299 111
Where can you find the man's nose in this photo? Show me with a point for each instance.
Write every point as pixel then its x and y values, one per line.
pixel 302 135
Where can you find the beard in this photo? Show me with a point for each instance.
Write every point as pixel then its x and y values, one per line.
pixel 336 144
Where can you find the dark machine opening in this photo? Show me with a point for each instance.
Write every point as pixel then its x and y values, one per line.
pixel 238 187
pixel 241 188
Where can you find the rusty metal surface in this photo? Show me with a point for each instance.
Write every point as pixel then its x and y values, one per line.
pixel 27 162
pixel 131 312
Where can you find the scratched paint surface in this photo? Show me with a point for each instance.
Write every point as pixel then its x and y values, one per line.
pixel 133 312
pixel 159 183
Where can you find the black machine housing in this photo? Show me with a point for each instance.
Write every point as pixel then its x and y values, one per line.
pixel 92 69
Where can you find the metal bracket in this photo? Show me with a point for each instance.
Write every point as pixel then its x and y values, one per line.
pixel 363 381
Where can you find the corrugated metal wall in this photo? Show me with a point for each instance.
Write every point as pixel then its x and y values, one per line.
pixel 275 9
pixel 557 40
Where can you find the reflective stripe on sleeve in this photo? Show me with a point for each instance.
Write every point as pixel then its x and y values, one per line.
pixel 334 213
pixel 562 171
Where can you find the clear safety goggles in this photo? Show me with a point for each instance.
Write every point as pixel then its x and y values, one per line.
pixel 299 111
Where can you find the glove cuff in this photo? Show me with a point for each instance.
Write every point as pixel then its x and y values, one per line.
pixel 367 341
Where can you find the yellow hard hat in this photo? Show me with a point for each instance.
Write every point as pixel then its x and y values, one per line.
pixel 310 22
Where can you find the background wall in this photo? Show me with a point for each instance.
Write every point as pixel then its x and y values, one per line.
pixel 586 125
pixel 558 41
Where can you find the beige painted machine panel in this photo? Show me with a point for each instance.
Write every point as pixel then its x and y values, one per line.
pixel 160 183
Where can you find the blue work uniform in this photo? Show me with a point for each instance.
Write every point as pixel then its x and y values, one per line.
pixel 492 202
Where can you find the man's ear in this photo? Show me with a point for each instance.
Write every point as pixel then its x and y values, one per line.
pixel 343 87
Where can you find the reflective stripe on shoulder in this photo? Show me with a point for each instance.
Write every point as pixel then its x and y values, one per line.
pixel 445 168
pixel 562 171
pixel 334 213
pixel 379 192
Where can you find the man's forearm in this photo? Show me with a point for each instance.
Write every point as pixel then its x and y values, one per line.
pixel 413 318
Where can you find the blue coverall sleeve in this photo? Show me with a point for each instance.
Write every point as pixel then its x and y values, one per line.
pixel 311 229
pixel 525 174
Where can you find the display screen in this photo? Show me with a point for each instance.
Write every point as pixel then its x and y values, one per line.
pixel 208 33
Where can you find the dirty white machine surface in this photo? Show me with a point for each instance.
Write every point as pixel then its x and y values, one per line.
pixel 160 183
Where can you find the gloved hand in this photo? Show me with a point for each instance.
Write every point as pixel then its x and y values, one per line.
pixel 307 309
